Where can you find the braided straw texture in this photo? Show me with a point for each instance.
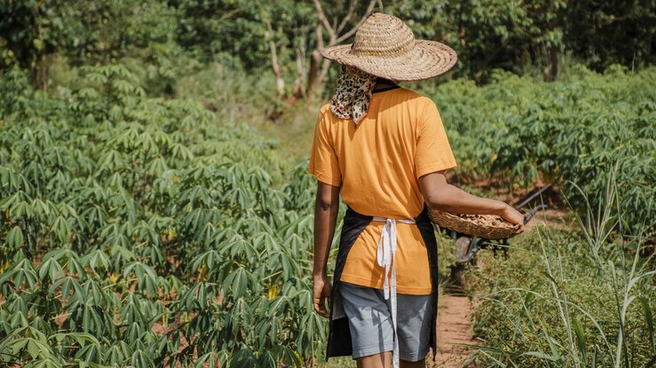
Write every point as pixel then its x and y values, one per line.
pixel 469 227
pixel 386 47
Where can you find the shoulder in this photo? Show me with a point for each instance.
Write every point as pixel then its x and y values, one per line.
pixel 324 109
pixel 325 118
pixel 415 98
pixel 325 115
pixel 410 93
pixel 418 105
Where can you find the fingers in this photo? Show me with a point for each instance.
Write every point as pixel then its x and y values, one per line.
pixel 320 307
pixel 321 291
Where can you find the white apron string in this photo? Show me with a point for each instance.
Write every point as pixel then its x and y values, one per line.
pixel 385 255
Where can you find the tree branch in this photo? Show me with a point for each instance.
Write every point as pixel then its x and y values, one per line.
pixel 348 17
pixel 321 16
pixel 229 14
pixel 350 33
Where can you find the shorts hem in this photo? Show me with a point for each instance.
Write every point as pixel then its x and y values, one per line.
pixel 370 350
pixel 413 357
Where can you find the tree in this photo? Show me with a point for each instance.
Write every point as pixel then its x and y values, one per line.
pixel 337 34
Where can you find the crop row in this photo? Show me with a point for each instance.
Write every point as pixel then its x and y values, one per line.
pixel 142 231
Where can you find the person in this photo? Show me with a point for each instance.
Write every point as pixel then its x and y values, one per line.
pixel 384 149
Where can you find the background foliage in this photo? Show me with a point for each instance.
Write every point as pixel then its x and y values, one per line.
pixel 486 34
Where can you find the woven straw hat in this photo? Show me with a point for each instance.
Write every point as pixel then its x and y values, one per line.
pixel 386 47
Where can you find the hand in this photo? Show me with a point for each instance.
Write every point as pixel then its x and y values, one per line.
pixel 514 217
pixel 321 288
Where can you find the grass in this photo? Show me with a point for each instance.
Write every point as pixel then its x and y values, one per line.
pixel 569 297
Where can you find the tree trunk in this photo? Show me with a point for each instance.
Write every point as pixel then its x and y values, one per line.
pixel 316 57
pixel 315 60
pixel 324 74
pixel 297 89
pixel 553 67
pixel 277 71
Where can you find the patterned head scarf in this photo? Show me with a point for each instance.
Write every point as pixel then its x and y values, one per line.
pixel 352 95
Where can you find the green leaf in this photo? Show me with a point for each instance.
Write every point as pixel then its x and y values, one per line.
pixel 649 321
pixel 580 338
pixel 15 237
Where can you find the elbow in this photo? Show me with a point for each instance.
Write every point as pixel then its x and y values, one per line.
pixel 327 199
pixel 434 201
pixel 325 204
pixel 436 191
pixel 439 200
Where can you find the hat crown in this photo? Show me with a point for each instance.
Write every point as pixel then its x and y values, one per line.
pixel 384 46
pixel 383 35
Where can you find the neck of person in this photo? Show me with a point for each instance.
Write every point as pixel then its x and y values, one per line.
pixel 382 83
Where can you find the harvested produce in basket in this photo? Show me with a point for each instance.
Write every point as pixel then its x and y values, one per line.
pixel 486 220
pixel 482 226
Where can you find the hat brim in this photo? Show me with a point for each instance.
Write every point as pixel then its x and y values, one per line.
pixel 427 59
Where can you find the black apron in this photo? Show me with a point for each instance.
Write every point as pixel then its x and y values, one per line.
pixel 339 334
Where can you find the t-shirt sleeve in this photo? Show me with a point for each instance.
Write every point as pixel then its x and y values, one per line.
pixel 324 164
pixel 433 149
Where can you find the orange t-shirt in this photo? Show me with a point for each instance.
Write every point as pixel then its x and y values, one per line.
pixel 377 166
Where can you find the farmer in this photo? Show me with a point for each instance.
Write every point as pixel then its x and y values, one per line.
pixel 384 149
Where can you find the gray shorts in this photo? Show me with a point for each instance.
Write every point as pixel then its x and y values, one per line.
pixel 370 322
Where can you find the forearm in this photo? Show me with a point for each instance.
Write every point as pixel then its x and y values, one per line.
pixel 443 196
pixel 325 218
pixel 454 200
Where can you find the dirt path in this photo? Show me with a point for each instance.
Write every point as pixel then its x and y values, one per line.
pixel 454 329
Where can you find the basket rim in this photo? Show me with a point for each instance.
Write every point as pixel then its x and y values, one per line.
pixel 470 227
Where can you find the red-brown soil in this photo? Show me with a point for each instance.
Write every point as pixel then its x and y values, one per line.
pixel 454 331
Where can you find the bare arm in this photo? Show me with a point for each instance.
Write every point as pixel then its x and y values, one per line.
pixel 443 196
pixel 325 217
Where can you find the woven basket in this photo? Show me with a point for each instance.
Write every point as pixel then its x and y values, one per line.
pixel 482 226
